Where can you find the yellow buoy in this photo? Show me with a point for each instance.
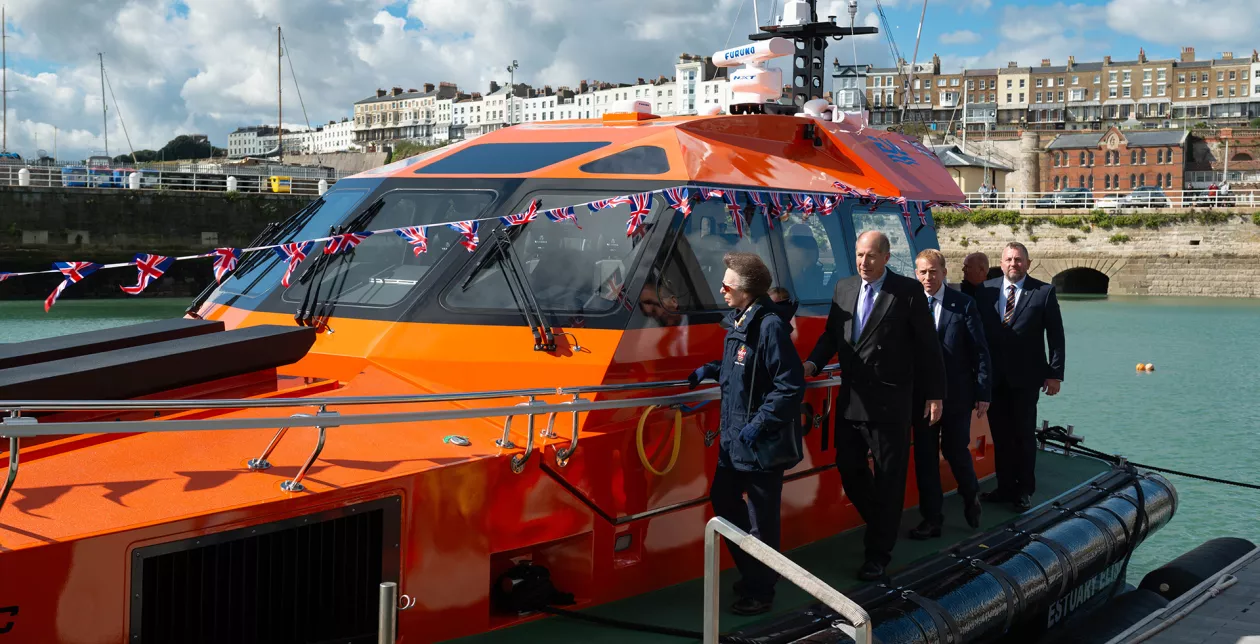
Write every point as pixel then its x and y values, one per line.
pixel 1150 367
pixel 1141 367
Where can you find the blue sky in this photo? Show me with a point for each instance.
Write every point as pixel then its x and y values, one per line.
pixel 208 66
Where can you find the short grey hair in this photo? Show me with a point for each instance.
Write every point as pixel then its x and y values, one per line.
pixel 1017 246
pixel 884 245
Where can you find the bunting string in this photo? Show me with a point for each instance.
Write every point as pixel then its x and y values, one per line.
pixel 774 204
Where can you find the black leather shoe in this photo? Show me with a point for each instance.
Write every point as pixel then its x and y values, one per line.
pixel 750 606
pixel 971 512
pixel 925 530
pixel 1023 503
pixel 871 571
pixel 997 496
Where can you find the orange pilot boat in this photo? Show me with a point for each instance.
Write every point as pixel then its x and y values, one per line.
pixel 357 446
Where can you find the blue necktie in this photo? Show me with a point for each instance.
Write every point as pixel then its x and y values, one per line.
pixel 864 313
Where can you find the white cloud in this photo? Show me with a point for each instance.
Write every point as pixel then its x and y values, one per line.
pixel 1226 24
pixel 1056 31
pixel 960 37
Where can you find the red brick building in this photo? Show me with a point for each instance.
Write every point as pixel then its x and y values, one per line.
pixel 1115 161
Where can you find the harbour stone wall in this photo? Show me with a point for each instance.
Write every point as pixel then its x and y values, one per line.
pixel 1220 259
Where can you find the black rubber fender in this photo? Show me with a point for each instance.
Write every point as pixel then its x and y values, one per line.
pixel 1110 619
pixel 1190 569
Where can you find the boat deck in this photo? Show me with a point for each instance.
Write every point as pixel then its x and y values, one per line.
pixel 1212 614
pixel 834 561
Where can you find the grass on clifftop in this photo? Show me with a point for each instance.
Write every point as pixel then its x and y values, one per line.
pixel 949 218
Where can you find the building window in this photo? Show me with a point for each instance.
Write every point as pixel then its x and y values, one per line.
pixel 940 82
pixel 1091 158
pixel 1159 180
pixel 1021 97
pixel 1159 156
pixel 1128 76
pixel 1107 182
pixel 1142 157
pixel 1220 76
pixel 1181 92
pixel 1132 157
pixel 1111 77
pixel 1008 81
pixel 1194 91
pixel 1220 91
pixel 1091 182
pixel 1146 90
pixel 1060 97
pixel 1132 180
pixel 1231 91
pixel 1082 161
pixel 1039 82
pixel 1112 92
pixel 1160 90
pixel 1080 181
pixel 1021 83
pixel 1038 97
pixel 1233 75
pixel 1056 183
pixel 1125 91
pixel 1168 181
pixel 1141 180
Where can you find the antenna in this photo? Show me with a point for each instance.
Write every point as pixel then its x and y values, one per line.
pixel 800 24
pixel 104 106
pixel 279 94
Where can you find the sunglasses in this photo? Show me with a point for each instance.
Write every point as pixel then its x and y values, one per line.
pixel 727 288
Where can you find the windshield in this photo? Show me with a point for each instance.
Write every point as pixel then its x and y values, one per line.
pixel 570 269
pixel 385 267
pixel 261 270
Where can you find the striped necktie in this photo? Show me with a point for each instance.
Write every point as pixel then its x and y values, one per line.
pixel 1010 305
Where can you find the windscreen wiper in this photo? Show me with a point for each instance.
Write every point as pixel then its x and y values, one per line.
pixel 518 280
pixel 205 293
pixel 313 276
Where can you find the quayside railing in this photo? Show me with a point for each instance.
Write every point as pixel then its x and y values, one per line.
pixel 15 426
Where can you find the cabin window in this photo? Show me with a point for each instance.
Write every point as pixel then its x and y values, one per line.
pixel 574 270
pixel 384 268
pixel 508 158
pixel 643 159
pixel 259 275
pixel 890 223
pixel 813 265
pixel 690 280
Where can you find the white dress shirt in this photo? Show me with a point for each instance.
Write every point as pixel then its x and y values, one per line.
pixel 935 303
pixel 1006 288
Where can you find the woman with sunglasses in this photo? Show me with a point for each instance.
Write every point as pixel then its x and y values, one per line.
pixel 762 383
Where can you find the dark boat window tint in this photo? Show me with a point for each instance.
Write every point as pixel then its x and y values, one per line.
pixel 644 159
pixel 508 158
pixel 264 273
pixel 571 270
pixel 691 280
pixel 384 268
pixel 891 223
pixel 817 256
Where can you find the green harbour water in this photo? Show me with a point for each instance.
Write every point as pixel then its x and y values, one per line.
pixel 1197 412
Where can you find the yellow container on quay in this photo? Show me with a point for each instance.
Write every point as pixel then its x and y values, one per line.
pixel 281 184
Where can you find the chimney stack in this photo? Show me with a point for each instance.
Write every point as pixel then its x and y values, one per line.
pixel 1045 62
pixel 1106 60
pixel 1227 55
pixel 1071 62
pixel 380 93
pixel 1141 54
pixel 395 91
pixel 641 81
pixel 494 86
pixel 413 91
pixel 428 87
pixel 1187 54
pixel 582 87
pixel 1012 64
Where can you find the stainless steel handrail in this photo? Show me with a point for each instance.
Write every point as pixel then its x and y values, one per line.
pixel 834 599
pixel 259 403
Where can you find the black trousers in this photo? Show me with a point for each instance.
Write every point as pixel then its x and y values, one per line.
pixel 1013 422
pixel 758 516
pixel 878 496
pixel 951 437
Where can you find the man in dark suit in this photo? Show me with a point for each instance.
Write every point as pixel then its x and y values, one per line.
pixel 1022 319
pixel 967 368
pixel 880 330
pixel 975 270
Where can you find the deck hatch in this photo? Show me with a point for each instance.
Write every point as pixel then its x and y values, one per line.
pixel 313 578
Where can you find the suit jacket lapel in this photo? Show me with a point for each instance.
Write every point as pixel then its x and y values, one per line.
pixel 947 314
pixel 1022 303
pixel 849 295
pixel 882 302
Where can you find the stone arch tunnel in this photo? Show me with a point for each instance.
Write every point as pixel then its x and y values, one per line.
pixel 1083 276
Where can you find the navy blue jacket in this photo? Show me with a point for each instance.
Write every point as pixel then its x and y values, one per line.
pixel 1019 350
pixel 968 367
pixel 763 383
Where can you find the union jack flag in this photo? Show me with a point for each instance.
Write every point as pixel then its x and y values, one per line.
pixel 803 203
pixel 293 254
pixel 224 262
pixel 150 267
pixel 640 208
pixel 776 207
pixel 711 193
pixel 603 204
pixel 846 189
pixel 344 243
pixel 918 206
pixel 416 236
pixel 5 276
pixel 616 291
pixel 468 229
pixel 560 215
pixel 74 272
pixel 826 204
pixel 759 203
pixel 737 212
pixel 522 218
pixel 905 216
pixel 679 200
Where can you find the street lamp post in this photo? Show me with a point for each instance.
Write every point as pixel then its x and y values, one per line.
pixel 512 92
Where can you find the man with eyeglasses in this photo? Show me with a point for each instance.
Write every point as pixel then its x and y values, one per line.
pixel 880 329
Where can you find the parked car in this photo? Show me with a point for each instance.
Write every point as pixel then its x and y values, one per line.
pixel 1145 197
pixel 1068 198
pixel 1108 201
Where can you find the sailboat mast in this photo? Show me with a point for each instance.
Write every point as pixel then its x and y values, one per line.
pixel 279 95
pixel 4 84
pixel 104 105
